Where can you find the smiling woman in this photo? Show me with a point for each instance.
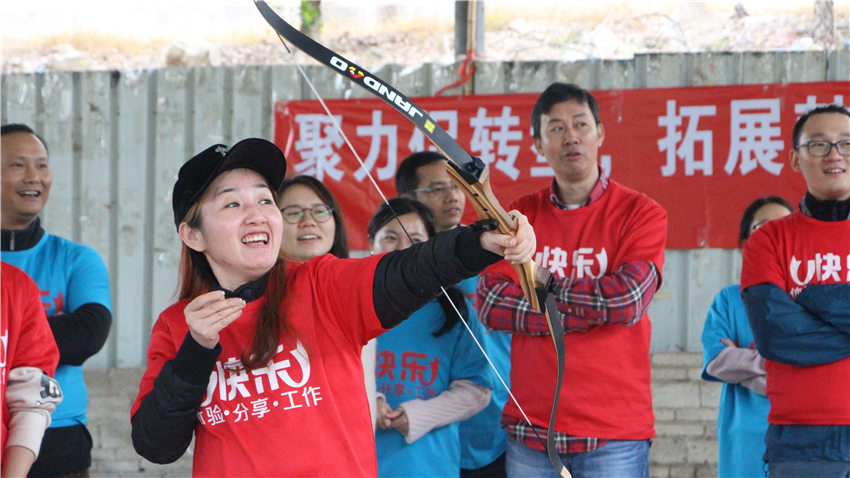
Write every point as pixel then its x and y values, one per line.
pixel 313 223
pixel 263 354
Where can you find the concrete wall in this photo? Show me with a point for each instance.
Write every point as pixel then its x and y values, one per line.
pixel 685 413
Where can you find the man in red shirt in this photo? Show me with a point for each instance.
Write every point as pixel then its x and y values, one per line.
pixel 796 288
pixel 605 245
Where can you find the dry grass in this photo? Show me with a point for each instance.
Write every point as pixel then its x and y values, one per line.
pixel 499 14
pixel 558 29
pixel 89 41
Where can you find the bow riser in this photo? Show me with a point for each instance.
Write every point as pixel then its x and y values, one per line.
pixel 487 207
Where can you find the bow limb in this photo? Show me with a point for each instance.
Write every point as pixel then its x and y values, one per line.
pixel 469 173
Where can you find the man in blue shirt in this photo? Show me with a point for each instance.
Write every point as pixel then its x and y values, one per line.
pixel 75 293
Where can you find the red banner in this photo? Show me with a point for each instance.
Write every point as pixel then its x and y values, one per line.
pixel 704 153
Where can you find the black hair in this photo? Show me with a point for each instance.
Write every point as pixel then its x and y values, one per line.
pixel 22 128
pixel 406 178
pixel 404 205
pixel 558 93
pixel 339 248
pixel 798 127
pixel 752 209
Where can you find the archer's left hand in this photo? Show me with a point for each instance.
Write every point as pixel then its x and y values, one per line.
pixel 517 249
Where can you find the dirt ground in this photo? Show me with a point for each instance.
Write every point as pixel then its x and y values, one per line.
pixel 611 30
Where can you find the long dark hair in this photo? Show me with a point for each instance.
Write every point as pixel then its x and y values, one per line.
pixel 339 248
pixel 750 213
pixel 196 278
pixel 403 205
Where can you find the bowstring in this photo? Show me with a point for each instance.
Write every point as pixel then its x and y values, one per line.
pixel 387 203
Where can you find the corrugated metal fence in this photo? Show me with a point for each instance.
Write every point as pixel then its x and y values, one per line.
pixel 118 138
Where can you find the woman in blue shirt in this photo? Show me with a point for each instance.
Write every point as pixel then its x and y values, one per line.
pixel 730 357
pixel 430 374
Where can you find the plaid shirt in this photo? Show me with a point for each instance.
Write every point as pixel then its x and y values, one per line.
pixel 620 298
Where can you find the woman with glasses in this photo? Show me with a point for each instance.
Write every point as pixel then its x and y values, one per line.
pixel 313 226
pixel 312 220
pixel 730 357
pixel 430 373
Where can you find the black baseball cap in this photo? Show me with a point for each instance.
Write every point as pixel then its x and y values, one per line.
pixel 198 173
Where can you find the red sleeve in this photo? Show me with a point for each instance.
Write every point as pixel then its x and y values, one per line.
pixel 647 235
pixel 344 290
pixel 162 348
pixel 29 332
pixel 760 261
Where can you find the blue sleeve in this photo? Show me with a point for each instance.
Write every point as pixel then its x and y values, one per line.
pixel 718 325
pixel 787 332
pixel 468 362
pixel 829 302
pixel 88 280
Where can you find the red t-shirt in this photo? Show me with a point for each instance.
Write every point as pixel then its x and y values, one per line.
pixel 307 413
pixel 793 252
pixel 606 391
pixel 25 336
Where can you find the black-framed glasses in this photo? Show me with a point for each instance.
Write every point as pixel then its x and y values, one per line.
pixel 437 190
pixel 294 214
pixel 823 148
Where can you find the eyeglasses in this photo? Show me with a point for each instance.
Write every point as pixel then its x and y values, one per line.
pixel 438 190
pixel 294 214
pixel 823 148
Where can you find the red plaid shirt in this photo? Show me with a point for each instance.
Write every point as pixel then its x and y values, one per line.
pixel 620 298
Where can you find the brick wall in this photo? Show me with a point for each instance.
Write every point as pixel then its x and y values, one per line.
pixel 685 418
pixel 685 412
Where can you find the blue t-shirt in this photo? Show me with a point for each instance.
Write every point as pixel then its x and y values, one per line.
pixel 742 420
pixel 68 275
pixel 413 364
pixel 482 438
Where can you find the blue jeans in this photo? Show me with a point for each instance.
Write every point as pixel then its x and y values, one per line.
pixel 617 458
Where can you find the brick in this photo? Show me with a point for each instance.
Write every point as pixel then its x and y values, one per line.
pixel 664 415
pixel 702 451
pixel 114 434
pixel 97 382
pixel 676 429
pixel 704 414
pixel 667 451
pixel 683 471
pixel 676 395
pixel 669 374
pixel 126 379
pixel 710 393
pixel 656 471
pixel 695 374
pixel 708 470
pixel 111 408
pixel 677 359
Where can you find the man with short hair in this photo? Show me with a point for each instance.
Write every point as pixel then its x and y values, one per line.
pixel 604 244
pixel 423 176
pixel 796 290
pixel 75 294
